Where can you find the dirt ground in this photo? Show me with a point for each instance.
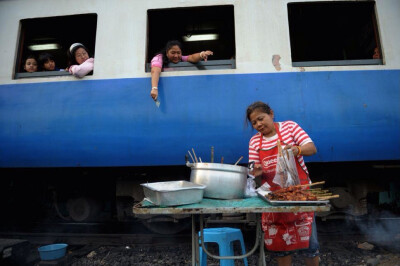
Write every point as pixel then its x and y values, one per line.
pixel 332 253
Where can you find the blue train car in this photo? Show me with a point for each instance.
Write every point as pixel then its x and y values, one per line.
pixel 341 83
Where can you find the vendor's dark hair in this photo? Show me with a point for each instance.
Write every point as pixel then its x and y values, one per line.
pixel 44 57
pixel 263 107
pixel 167 47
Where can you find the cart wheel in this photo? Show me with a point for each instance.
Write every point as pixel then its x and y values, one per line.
pixel 166 225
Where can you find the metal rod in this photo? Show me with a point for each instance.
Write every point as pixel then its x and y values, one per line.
pixel 195 242
pixel 191 157
pixel 241 157
pixel 261 257
pixel 194 154
pixel 212 154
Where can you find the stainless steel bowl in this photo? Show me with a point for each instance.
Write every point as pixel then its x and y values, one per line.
pixel 222 181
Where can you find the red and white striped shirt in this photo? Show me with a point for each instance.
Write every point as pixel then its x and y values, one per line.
pixel 291 133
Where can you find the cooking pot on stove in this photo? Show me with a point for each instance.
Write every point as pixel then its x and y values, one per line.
pixel 222 181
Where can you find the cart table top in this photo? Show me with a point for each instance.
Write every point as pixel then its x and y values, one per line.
pixel 210 206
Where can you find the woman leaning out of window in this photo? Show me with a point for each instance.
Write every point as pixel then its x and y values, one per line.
pixel 80 64
pixel 172 53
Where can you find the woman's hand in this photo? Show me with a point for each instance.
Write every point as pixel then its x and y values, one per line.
pixel 257 171
pixel 154 93
pixel 204 55
pixel 295 149
pixel 307 149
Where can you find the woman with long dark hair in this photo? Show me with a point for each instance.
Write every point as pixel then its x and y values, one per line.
pixel 172 53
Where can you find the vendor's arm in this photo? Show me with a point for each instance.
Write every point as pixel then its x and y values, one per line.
pixel 194 58
pixel 155 77
pixel 254 156
pixel 307 149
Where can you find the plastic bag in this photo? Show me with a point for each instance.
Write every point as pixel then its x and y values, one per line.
pixel 286 171
pixel 264 188
pixel 250 187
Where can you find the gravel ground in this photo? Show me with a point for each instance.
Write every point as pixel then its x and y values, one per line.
pixel 332 253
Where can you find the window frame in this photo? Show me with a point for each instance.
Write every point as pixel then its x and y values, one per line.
pixel 211 64
pixel 22 43
pixel 344 62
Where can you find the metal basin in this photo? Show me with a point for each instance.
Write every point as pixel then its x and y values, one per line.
pixel 222 181
pixel 172 193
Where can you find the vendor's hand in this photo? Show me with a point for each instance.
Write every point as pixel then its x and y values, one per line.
pixel 154 93
pixel 257 171
pixel 204 55
pixel 294 149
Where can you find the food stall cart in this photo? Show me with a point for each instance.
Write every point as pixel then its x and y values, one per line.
pixel 214 206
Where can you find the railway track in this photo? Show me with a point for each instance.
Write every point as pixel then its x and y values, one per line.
pixel 137 234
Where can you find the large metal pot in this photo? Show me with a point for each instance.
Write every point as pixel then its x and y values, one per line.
pixel 222 181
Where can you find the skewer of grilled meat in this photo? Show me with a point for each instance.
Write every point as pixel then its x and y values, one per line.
pixel 295 195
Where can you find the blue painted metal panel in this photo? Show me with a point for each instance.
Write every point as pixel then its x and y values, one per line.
pixel 350 115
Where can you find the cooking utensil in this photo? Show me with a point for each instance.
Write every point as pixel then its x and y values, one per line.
pixel 241 157
pixel 222 181
pixel 191 157
pixel 194 154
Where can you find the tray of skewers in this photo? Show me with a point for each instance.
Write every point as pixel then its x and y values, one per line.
pixel 298 195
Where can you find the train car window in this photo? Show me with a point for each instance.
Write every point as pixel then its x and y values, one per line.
pixel 54 35
pixel 198 28
pixel 334 33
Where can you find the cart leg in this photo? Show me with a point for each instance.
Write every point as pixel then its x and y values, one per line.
pixel 195 243
pixel 261 258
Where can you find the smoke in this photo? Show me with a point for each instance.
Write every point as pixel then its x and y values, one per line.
pixel 382 229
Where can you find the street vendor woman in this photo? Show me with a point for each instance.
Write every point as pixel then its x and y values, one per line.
pixel 284 233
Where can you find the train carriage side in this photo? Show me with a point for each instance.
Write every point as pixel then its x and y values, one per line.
pixel 105 121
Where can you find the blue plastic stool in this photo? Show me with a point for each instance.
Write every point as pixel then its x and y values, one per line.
pixel 224 236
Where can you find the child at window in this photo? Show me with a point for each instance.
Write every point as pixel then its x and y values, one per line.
pixel 80 63
pixel 30 64
pixel 47 63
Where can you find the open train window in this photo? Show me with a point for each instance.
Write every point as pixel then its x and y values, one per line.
pixel 334 33
pixel 198 29
pixel 54 35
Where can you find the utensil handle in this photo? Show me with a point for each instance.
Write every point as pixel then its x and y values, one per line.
pixel 241 157
pixel 194 154
pixel 191 157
